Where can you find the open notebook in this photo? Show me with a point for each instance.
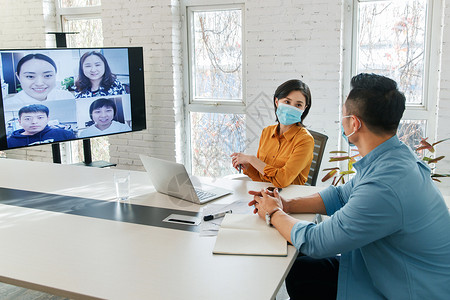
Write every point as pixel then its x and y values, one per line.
pixel 248 235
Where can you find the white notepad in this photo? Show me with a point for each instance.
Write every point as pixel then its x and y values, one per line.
pixel 248 235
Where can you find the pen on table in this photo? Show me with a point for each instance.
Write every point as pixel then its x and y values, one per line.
pixel 216 216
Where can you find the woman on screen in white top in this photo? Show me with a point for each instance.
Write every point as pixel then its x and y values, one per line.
pixel 37 76
pixel 102 112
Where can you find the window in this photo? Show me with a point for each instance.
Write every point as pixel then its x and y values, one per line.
pixel 215 119
pixel 89 31
pixel 79 3
pixel 83 18
pixel 391 42
pixel 217 55
pixel 393 38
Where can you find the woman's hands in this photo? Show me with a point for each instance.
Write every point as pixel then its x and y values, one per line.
pixel 266 201
pixel 240 159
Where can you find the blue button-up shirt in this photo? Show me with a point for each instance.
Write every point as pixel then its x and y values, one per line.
pixel 391 225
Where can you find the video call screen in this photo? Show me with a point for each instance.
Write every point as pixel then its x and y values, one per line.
pixel 55 95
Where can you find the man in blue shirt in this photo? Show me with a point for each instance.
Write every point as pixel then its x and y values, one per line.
pixel 34 119
pixel 389 222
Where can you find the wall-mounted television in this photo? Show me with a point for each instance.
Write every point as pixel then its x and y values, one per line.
pixel 63 94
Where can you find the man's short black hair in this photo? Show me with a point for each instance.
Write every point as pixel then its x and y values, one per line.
pixel 377 101
pixel 100 103
pixel 33 108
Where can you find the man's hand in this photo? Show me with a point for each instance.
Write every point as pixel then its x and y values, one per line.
pixel 284 202
pixel 265 201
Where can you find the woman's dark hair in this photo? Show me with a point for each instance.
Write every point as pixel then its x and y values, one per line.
pixel 293 85
pixel 100 103
pixel 377 101
pixel 83 83
pixel 34 56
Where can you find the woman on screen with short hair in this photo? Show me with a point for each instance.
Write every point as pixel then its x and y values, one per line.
pixel 102 112
pixel 95 77
pixel 285 149
pixel 37 76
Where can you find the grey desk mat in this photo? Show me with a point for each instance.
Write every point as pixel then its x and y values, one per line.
pixel 116 211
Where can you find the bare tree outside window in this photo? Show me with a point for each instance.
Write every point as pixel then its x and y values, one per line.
pixel 217 45
pixel 90 33
pixel 391 42
pixel 214 138
pixel 411 132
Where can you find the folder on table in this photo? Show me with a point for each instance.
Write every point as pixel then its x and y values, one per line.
pixel 248 235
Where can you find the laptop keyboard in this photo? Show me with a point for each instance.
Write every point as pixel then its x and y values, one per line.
pixel 202 195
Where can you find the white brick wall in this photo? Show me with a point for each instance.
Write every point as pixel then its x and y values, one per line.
pixel 298 39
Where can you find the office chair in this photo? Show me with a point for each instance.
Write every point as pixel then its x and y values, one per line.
pixel 320 140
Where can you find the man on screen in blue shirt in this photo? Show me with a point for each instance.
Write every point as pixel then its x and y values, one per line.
pixel 34 119
pixel 389 222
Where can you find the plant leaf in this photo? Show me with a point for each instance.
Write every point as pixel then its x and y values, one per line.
pixel 350 164
pixel 329 169
pixel 424 142
pixel 425 147
pixel 335 152
pixel 329 175
pixel 347 172
pixel 435 160
pixel 339 179
pixel 438 142
pixel 339 158
pixel 440 175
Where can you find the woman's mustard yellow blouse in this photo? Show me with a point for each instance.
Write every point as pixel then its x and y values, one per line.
pixel 288 157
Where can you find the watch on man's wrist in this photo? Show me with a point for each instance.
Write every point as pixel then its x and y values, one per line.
pixel 269 216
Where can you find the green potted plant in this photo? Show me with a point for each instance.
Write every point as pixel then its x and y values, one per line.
pixel 68 84
pixel 338 175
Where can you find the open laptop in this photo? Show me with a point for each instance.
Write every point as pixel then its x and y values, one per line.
pixel 172 179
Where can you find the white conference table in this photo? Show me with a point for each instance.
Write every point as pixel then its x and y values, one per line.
pixel 92 258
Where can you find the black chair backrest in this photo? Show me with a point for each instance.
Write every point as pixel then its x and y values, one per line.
pixel 320 140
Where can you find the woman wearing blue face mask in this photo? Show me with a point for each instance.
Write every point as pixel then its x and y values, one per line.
pixel 285 149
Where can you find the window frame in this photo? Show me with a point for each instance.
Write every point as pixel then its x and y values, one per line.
pixel 188 7
pixel 74 13
pixel 425 111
